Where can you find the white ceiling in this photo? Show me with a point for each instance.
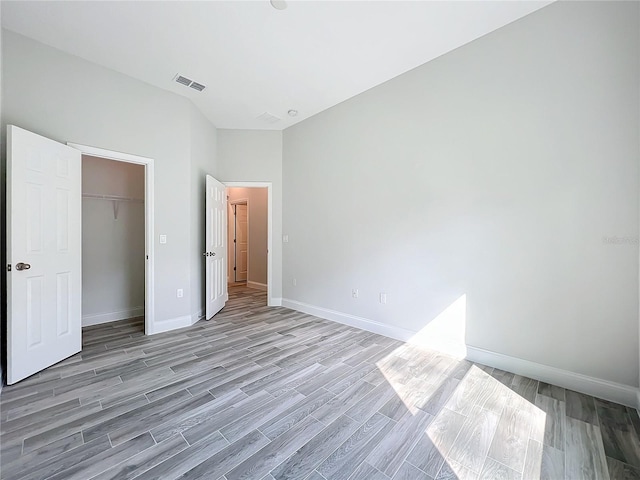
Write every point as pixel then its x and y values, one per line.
pixel 255 59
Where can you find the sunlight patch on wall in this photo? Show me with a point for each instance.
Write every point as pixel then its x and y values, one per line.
pixel 446 332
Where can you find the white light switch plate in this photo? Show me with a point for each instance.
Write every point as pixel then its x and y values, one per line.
pixel 163 239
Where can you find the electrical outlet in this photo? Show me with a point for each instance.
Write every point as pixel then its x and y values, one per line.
pixel 180 293
pixel 354 293
pixel 383 298
pixel 295 282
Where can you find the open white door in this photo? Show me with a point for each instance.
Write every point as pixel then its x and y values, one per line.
pixel 44 241
pixel 216 254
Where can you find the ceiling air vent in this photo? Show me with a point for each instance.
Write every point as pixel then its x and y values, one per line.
pixel 269 118
pixel 197 86
pixel 187 82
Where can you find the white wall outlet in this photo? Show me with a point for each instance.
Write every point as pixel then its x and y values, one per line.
pixel 354 293
pixel 295 282
pixel 163 239
pixel 383 298
pixel 285 238
pixel 180 293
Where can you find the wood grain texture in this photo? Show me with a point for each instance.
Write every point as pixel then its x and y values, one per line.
pixel 409 472
pixel 270 393
pixel 584 451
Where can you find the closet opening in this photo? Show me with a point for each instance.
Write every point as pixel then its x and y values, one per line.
pixel 113 248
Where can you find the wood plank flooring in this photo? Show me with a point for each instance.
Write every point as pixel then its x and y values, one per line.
pixel 270 393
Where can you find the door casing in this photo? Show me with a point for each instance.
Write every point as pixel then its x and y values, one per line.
pixel 149 311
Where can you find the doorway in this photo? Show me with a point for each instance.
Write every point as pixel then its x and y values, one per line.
pixel 140 196
pixel 255 197
pixel 113 250
pixel 238 242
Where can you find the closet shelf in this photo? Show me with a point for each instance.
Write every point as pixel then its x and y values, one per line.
pixel 112 197
pixel 116 199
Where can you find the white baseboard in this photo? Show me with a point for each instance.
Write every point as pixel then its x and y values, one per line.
pixel 351 320
pixel 171 324
pixel 275 302
pixel 612 391
pixel 615 392
pixel 196 316
pixel 257 286
pixel 98 318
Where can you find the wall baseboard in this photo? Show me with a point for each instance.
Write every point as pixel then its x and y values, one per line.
pixel 257 286
pixel 171 324
pixel 98 318
pixel 612 391
pixel 351 320
pixel 615 392
pixel 196 317
pixel 276 302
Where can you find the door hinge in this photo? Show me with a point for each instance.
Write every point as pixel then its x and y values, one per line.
pixel 8 267
pixel 234 240
pixel 234 269
pixel 147 257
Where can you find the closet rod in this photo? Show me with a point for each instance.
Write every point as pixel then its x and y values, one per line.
pixel 112 197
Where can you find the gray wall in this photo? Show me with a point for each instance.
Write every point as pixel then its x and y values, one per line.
pixel 112 248
pixel 66 98
pixel 256 156
pixel 495 171
pixel 258 238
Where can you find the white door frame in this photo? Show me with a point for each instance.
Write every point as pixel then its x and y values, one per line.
pixel 149 314
pixel 242 201
pixel 269 187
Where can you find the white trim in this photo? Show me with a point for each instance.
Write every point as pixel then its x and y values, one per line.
pixel 615 392
pixel 257 285
pixel 196 317
pixel 612 391
pixel 172 324
pixel 276 302
pixel 351 320
pixel 271 302
pixel 106 317
pixel 149 206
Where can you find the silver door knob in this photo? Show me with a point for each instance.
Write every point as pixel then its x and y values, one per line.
pixel 22 266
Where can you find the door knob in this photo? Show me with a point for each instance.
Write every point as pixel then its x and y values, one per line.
pixel 22 266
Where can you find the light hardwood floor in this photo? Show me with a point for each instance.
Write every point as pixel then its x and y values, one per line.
pixel 269 393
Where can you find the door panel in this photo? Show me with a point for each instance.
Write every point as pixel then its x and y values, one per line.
pixel 241 242
pixel 44 232
pixel 216 251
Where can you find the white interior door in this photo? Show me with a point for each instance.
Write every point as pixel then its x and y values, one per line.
pixel 44 285
pixel 242 230
pixel 216 254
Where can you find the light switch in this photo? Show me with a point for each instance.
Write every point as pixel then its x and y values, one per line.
pixel 285 238
pixel 163 239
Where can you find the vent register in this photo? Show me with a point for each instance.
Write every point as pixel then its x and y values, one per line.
pixel 187 82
